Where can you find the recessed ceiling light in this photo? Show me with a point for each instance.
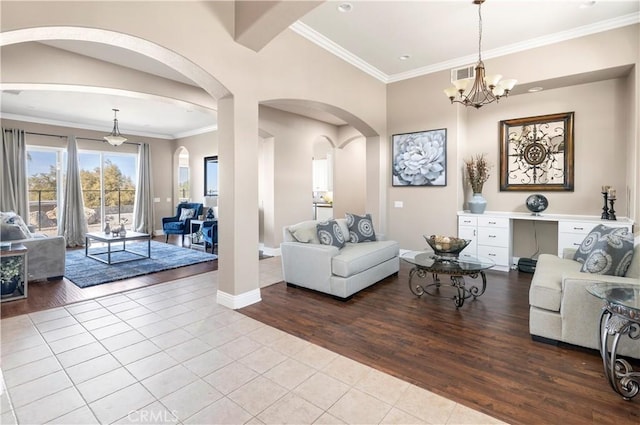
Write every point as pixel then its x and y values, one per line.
pixel 345 7
pixel 587 4
pixel 404 57
pixel 535 89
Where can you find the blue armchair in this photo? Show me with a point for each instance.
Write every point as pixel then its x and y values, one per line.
pixel 180 224
pixel 210 234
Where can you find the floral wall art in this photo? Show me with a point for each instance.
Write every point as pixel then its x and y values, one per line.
pixel 420 158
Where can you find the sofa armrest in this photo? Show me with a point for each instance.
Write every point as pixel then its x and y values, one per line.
pixel 307 265
pixel 45 257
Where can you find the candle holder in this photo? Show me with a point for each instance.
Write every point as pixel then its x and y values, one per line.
pixel 612 213
pixel 605 210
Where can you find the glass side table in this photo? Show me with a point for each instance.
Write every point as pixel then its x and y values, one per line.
pixel 620 316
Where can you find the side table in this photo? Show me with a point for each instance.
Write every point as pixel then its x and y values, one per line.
pixel 13 268
pixel 620 316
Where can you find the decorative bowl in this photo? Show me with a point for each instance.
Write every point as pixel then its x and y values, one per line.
pixel 446 246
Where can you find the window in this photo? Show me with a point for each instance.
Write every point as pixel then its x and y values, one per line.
pixel 211 176
pixel 44 181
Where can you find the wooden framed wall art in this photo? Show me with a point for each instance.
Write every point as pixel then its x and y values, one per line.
pixel 536 153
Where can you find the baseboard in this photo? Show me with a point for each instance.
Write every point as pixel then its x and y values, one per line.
pixel 271 252
pixel 235 302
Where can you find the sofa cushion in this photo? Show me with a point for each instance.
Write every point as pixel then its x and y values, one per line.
pixel 606 251
pixel 11 232
pixel 355 258
pixel 174 225
pixel 634 267
pixel 305 232
pixel 360 228
pixel 546 285
pixel 329 233
pixel 14 219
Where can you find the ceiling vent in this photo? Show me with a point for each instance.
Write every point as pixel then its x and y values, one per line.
pixel 463 73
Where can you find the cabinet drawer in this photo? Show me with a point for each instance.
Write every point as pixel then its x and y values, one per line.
pixel 467 221
pixel 569 240
pixel 493 237
pixel 488 221
pixel 498 255
pixel 575 227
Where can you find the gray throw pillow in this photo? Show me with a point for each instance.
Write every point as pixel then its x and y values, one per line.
pixel 11 232
pixel 606 251
pixel 329 233
pixel 360 228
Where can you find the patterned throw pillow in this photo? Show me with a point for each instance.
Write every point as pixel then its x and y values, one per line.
pixel 186 213
pixel 329 233
pixel 360 228
pixel 606 251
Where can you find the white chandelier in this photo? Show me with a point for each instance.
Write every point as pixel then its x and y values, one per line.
pixel 115 138
pixel 486 88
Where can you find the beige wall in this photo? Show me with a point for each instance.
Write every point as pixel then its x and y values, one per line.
pixel 605 134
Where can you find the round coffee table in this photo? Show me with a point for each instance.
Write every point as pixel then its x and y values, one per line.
pixel 620 316
pixel 426 262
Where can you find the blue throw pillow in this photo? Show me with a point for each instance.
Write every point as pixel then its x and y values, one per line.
pixel 360 228
pixel 329 233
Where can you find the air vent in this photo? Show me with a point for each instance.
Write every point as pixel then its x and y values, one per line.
pixel 463 73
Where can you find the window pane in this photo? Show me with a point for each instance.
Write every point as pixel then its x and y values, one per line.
pixel 42 181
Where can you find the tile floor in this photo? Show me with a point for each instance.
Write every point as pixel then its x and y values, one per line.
pixel 169 354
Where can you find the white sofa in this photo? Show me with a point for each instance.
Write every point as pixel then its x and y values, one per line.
pixel 561 309
pixel 338 272
pixel 45 254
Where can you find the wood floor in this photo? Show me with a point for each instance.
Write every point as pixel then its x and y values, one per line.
pixel 44 295
pixel 480 355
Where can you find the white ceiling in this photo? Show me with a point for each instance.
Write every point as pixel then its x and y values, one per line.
pixel 436 35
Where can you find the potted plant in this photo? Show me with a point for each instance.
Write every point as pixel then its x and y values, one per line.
pixel 10 274
pixel 477 169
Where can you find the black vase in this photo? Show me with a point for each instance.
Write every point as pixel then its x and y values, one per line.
pixel 10 286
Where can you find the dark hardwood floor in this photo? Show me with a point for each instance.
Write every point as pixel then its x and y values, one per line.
pixel 480 355
pixel 43 295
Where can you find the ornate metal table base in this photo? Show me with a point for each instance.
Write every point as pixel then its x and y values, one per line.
pixel 615 321
pixel 457 282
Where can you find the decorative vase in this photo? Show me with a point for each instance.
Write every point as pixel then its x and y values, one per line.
pixel 477 204
pixel 107 229
pixel 123 231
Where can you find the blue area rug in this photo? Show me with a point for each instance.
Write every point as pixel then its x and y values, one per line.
pixel 84 271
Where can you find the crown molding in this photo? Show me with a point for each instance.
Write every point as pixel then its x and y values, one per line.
pixel 322 41
pixel 585 30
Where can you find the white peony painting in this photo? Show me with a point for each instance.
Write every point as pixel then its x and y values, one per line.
pixel 420 159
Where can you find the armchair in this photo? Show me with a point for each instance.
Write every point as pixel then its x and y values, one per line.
pixel 180 224
pixel 210 234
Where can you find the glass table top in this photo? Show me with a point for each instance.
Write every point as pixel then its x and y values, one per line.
pixel 624 294
pixel 429 261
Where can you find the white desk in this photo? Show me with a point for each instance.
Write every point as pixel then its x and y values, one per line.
pixel 492 232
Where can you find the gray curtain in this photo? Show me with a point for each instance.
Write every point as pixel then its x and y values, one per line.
pixel 15 195
pixel 143 207
pixel 73 223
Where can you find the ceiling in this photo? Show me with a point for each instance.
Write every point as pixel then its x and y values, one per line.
pixel 372 35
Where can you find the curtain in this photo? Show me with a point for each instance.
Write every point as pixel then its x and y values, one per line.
pixel 73 223
pixel 143 207
pixel 15 195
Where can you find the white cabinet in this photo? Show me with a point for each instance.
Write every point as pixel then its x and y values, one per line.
pixel 571 233
pixel 490 236
pixel 468 229
pixel 492 232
